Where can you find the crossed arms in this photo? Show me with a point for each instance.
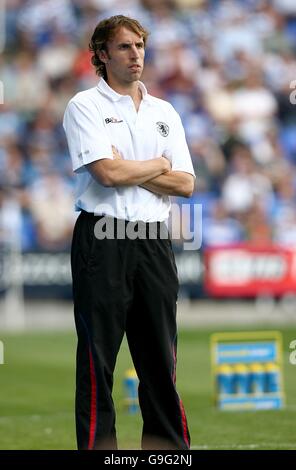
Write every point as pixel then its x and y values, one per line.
pixel 154 175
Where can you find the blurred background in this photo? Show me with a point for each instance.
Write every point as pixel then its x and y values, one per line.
pixel 229 69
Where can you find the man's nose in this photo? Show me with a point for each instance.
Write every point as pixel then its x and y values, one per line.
pixel 134 52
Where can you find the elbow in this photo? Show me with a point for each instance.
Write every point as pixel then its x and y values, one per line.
pixel 106 180
pixel 187 190
pixel 187 194
pixel 102 177
pixel 104 173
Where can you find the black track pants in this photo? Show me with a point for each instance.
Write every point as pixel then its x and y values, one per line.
pixel 123 285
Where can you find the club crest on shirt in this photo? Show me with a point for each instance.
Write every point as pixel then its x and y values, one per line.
pixel 113 120
pixel 163 128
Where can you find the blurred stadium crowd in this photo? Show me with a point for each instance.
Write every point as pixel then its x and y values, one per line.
pixel 227 67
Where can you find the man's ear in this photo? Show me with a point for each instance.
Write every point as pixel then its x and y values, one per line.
pixel 103 56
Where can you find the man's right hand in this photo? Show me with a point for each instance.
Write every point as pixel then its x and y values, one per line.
pixel 166 164
pixel 116 154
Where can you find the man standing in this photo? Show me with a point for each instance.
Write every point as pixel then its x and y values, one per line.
pixel 129 154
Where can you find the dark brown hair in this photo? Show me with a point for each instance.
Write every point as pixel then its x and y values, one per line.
pixel 105 31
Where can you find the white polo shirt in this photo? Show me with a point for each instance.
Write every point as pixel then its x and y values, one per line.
pixel 98 118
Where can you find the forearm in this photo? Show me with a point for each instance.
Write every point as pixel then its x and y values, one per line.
pixel 127 172
pixel 172 183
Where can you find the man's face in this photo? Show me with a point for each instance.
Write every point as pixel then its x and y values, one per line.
pixel 124 58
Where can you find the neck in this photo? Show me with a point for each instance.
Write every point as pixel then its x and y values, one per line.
pixel 131 89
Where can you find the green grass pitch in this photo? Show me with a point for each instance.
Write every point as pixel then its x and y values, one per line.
pixel 37 396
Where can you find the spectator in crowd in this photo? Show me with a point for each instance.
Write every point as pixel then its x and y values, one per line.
pixel 220 228
pixel 51 205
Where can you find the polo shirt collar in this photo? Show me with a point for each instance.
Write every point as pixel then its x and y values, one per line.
pixel 106 90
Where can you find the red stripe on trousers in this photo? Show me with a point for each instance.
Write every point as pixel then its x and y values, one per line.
pixel 93 403
pixel 184 423
pixel 183 415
